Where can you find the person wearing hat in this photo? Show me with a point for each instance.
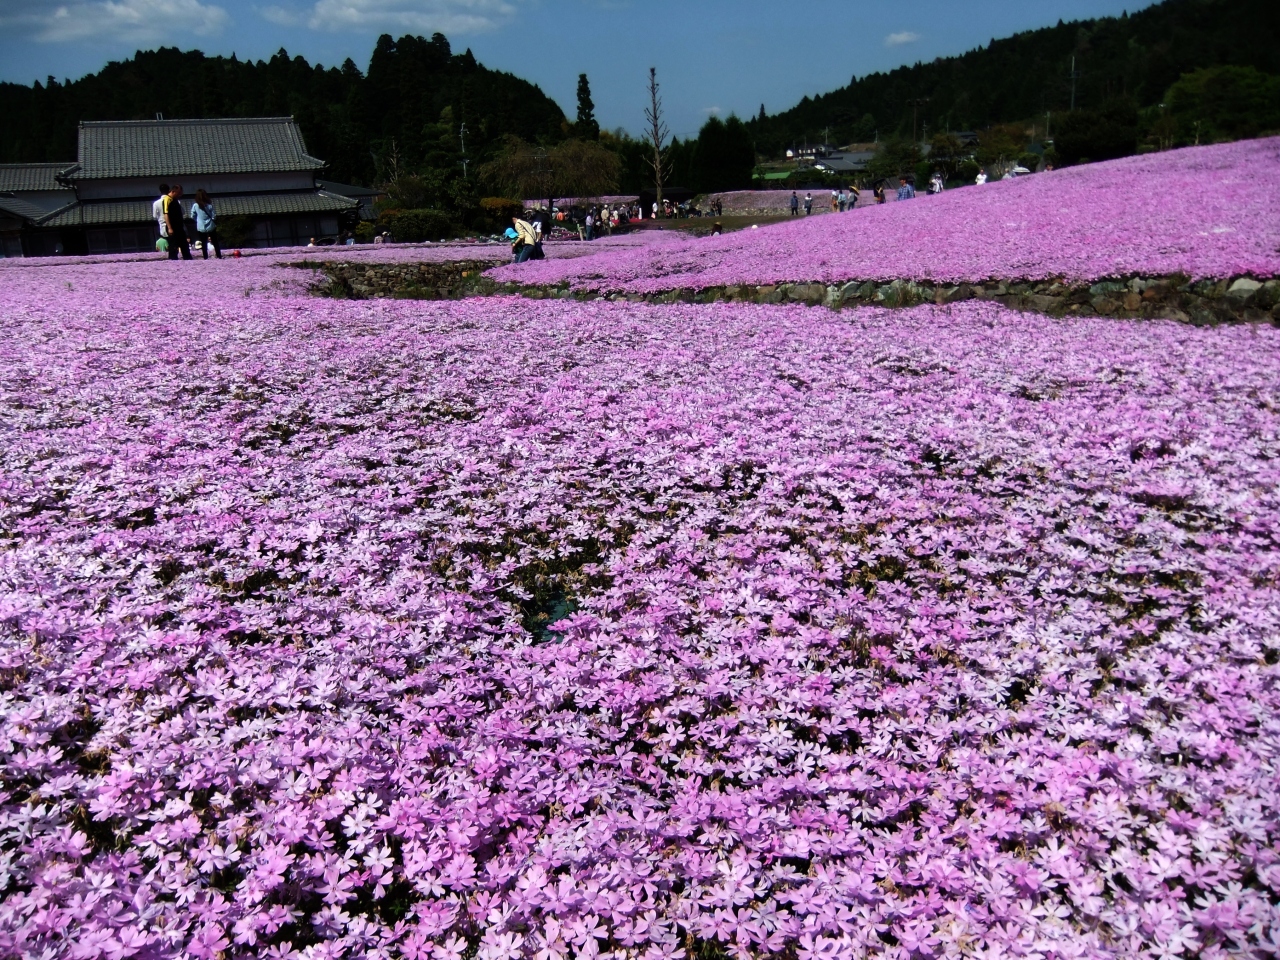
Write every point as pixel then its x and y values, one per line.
pixel 526 242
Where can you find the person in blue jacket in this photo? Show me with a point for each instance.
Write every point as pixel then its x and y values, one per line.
pixel 206 224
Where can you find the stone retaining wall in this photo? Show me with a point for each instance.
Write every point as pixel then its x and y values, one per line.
pixel 1235 300
pixel 449 280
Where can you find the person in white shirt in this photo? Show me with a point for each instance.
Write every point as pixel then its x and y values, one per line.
pixel 157 210
pixel 982 177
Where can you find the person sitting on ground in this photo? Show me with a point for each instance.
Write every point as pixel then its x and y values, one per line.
pixel 905 190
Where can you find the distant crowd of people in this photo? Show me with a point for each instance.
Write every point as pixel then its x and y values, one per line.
pixel 846 198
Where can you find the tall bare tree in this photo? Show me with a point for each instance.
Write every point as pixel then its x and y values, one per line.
pixel 657 132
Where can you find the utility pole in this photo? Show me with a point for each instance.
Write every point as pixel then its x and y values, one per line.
pixel 1075 75
pixel 462 136
pixel 916 104
pixel 1047 116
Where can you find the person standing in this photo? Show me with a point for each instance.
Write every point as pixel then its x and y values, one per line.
pixel 835 201
pixel 206 224
pixel 853 196
pixel 808 204
pixel 526 243
pixel 795 204
pixel 590 223
pixel 982 176
pixel 173 221
pixel 905 190
pixel 157 212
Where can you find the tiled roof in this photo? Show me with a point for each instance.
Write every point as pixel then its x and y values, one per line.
pixel 31 176
pixel 184 148
pixel 257 205
pixel 348 190
pixel 32 210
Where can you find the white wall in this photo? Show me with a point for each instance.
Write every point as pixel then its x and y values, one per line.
pixel 137 188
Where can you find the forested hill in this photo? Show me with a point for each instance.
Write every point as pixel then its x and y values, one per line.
pixel 1137 56
pixel 407 109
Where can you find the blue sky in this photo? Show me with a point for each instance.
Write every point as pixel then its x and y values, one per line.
pixel 713 56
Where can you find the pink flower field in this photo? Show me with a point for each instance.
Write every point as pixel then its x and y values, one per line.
pixel 509 629
pixel 1204 211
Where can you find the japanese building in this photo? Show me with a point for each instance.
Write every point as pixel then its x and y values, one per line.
pixel 257 171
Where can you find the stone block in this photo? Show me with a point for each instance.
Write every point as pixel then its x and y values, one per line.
pixel 850 291
pixel 1243 289
pixel 1106 289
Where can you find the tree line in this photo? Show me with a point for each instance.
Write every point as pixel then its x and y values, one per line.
pixel 1124 69
pixel 441 132
pixel 406 113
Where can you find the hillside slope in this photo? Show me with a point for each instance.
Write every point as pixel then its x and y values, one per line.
pixel 1206 212
pixel 1137 56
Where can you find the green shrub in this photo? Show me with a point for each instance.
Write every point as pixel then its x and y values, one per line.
pixel 1029 160
pixel 1224 103
pixel 500 208
pixel 1086 136
pixel 234 232
pixel 415 226
pixel 967 171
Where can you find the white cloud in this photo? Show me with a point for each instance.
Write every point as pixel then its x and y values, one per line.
pixel 417 16
pixel 714 111
pixel 898 39
pixel 132 20
pixel 280 15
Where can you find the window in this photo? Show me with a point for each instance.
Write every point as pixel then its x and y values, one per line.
pixel 123 240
